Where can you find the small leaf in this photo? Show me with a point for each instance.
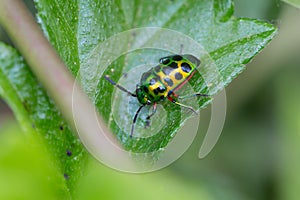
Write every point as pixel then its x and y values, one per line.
pixel 35 111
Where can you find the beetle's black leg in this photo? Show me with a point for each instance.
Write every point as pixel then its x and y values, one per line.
pixel 187 96
pixel 134 119
pixel 119 86
pixel 149 116
pixel 180 104
pixel 193 95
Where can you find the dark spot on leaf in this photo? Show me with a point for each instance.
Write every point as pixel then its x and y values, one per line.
pixel 66 176
pixel 61 127
pixel 69 153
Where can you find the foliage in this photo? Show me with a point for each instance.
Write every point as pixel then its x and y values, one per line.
pixel 76 28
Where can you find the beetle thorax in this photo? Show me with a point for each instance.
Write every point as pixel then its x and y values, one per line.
pixel 142 96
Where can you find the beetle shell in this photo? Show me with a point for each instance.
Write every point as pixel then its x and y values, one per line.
pixel 162 80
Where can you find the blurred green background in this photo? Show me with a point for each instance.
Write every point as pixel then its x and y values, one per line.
pixel 257 156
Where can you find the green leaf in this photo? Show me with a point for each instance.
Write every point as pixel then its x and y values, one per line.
pixel 76 28
pixel 35 111
pixel 231 43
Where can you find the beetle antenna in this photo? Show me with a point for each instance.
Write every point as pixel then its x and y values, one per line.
pixel 134 119
pixel 119 86
pixel 181 49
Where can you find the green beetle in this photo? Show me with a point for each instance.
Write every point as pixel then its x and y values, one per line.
pixel 161 82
